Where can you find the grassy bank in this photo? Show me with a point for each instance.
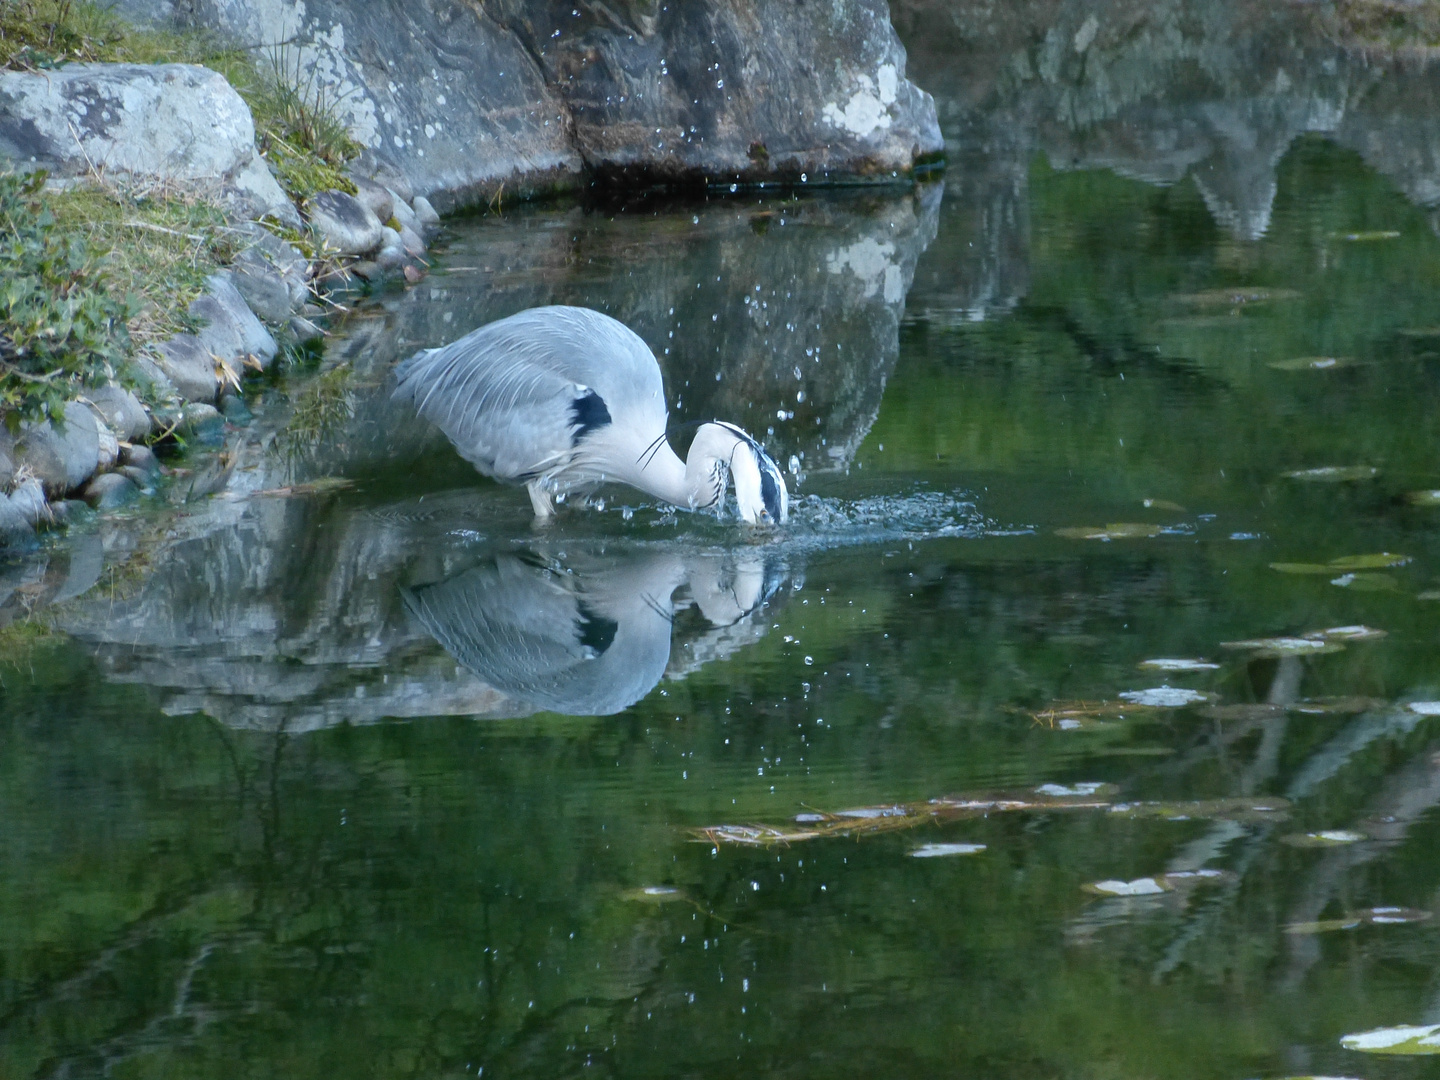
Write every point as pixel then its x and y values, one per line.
pixel 98 268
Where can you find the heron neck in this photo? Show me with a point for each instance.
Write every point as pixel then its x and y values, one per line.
pixel 688 485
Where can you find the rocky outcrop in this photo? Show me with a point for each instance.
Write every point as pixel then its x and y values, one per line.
pixel 468 102
pixel 149 122
pixel 1210 92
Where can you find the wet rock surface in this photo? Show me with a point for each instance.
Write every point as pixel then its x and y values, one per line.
pixel 518 97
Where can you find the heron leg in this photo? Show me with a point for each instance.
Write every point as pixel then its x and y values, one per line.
pixel 541 500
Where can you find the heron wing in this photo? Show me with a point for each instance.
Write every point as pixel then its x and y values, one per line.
pixel 518 395
pixel 532 635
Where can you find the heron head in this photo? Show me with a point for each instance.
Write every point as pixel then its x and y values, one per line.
pixel 760 492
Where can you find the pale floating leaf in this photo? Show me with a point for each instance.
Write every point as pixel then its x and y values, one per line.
pixel 1272 648
pixel 1377 916
pixel 1358 632
pixel 1380 560
pixel 1428 594
pixel 1312 363
pixel 1430 497
pixel 1327 705
pixel 1159 883
pixel 1238 296
pixel 1123 530
pixel 1302 568
pixel 1420 332
pixel 935 851
pixel 873 812
pixel 1147 886
pixel 1417 1039
pixel 1165 697
pixel 1368 237
pixel 1072 791
pixel 654 894
pixel 1163 504
pixel 1391 916
pixel 1335 474
pixel 1325 838
pixel 1086 715
pixel 1232 809
pixel 1366 582
pixel 1168 664
pixel 1425 708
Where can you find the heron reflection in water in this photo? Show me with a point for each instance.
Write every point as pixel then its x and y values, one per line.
pixel 564 399
pixel 591 637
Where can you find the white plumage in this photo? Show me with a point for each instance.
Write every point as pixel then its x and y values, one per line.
pixel 566 398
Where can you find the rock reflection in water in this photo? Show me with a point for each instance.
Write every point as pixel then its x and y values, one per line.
pixel 295 615
pixel 779 315
pixel 589 637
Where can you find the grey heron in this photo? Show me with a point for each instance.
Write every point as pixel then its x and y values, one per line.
pixel 563 399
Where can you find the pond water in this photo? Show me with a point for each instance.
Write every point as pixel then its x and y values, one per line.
pixel 1112 591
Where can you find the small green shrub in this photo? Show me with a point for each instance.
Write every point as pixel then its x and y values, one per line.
pixel 62 327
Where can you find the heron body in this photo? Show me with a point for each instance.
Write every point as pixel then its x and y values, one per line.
pixel 566 398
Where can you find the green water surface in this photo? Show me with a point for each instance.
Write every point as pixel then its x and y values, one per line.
pixel 259 821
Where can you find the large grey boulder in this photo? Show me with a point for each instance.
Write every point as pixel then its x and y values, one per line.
pixel 62 456
pixel 517 97
pixel 175 122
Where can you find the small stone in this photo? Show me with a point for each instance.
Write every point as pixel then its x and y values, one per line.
pixel 140 457
pixel 367 166
pixel 413 274
pixel 138 476
pixel 374 197
pixel 233 408
pixel 189 367
pixel 414 246
pixel 263 288
pixel 366 270
pixel 109 446
pixel 202 423
pixel 344 224
pixel 68 511
pixel 153 381
pixel 7 460
pixel 312 310
pixel 305 330
pixel 392 253
pixel 406 216
pixel 121 410
pixel 424 211
pixel 109 490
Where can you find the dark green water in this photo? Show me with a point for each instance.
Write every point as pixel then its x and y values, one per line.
pixel 258 821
